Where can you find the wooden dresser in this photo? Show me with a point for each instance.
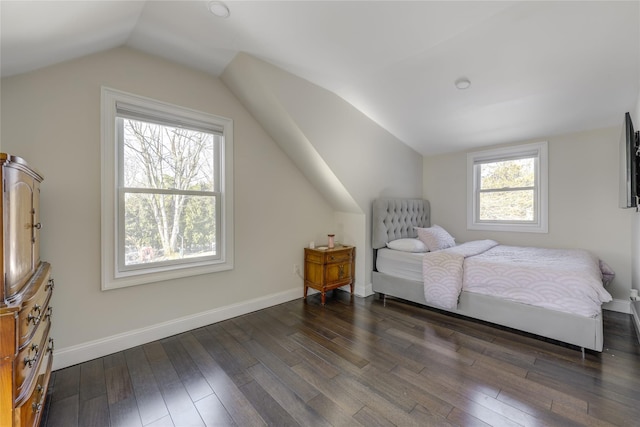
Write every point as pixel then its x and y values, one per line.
pixel 25 294
pixel 327 269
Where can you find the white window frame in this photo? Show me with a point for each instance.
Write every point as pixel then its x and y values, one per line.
pixel 113 276
pixel 536 150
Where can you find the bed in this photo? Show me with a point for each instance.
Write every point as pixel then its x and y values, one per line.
pixel 395 219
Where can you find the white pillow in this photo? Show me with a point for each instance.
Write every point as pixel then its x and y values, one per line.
pixel 408 245
pixel 435 237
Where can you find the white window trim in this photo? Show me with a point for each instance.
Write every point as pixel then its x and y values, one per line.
pixel 111 278
pixel 542 223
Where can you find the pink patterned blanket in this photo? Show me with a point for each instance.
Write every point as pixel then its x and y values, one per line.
pixel 568 280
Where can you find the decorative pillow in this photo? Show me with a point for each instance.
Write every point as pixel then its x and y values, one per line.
pixel 435 237
pixel 408 245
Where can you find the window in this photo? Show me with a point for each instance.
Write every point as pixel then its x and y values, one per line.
pixel 507 189
pixel 166 191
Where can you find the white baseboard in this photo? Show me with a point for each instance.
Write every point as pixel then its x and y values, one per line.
pixel 359 290
pixel 363 290
pixel 619 305
pixel 73 355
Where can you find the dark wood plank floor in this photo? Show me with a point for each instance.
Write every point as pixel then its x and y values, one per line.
pixel 354 362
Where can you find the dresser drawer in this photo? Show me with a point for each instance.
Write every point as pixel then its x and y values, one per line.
pixel 30 359
pixel 36 307
pixel 30 412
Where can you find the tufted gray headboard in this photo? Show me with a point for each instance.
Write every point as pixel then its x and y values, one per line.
pixel 395 219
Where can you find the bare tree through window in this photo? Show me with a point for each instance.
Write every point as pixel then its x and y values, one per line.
pixel 169 192
pixel 507 190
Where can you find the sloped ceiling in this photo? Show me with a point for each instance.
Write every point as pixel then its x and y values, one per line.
pixel 537 69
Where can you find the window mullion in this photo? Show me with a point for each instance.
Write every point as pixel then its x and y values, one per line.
pixel 499 190
pixel 168 191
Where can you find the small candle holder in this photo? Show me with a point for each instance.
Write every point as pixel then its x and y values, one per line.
pixel 331 240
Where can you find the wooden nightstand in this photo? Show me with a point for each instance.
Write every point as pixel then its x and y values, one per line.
pixel 327 269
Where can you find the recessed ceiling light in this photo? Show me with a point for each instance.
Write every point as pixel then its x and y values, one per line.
pixel 463 83
pixel 219 9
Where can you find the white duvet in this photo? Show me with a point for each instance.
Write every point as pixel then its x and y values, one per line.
pixel 568 280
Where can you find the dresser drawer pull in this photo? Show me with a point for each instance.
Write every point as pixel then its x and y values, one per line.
pixel 50 285
pixel 51 346
pixel 29 362
pixel 37 226
pixel 32 318
pixel 49 312
pixel 34 349
pixel 37 407
pixel 37 308
pixel 340 271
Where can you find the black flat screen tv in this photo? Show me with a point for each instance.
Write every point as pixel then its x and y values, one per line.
pixel 629 165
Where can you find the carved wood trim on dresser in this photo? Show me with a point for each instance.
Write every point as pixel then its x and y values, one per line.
pixel 26 286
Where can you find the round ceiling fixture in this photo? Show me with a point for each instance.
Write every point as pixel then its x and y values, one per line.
pixel 219 9
pixel 463 83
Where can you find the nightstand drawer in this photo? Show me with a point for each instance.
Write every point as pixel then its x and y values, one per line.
pixel 325 256
pixel 337 257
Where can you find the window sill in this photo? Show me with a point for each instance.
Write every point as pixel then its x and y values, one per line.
pixel 128 279
pixel 518 228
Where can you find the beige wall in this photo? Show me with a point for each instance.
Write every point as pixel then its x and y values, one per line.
pixel 350 159
pixel 51 117
pixel 583 200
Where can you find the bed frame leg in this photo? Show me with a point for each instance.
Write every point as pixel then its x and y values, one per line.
pixel 582 348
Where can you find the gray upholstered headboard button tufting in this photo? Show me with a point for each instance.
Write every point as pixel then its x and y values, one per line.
pixel 395 219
